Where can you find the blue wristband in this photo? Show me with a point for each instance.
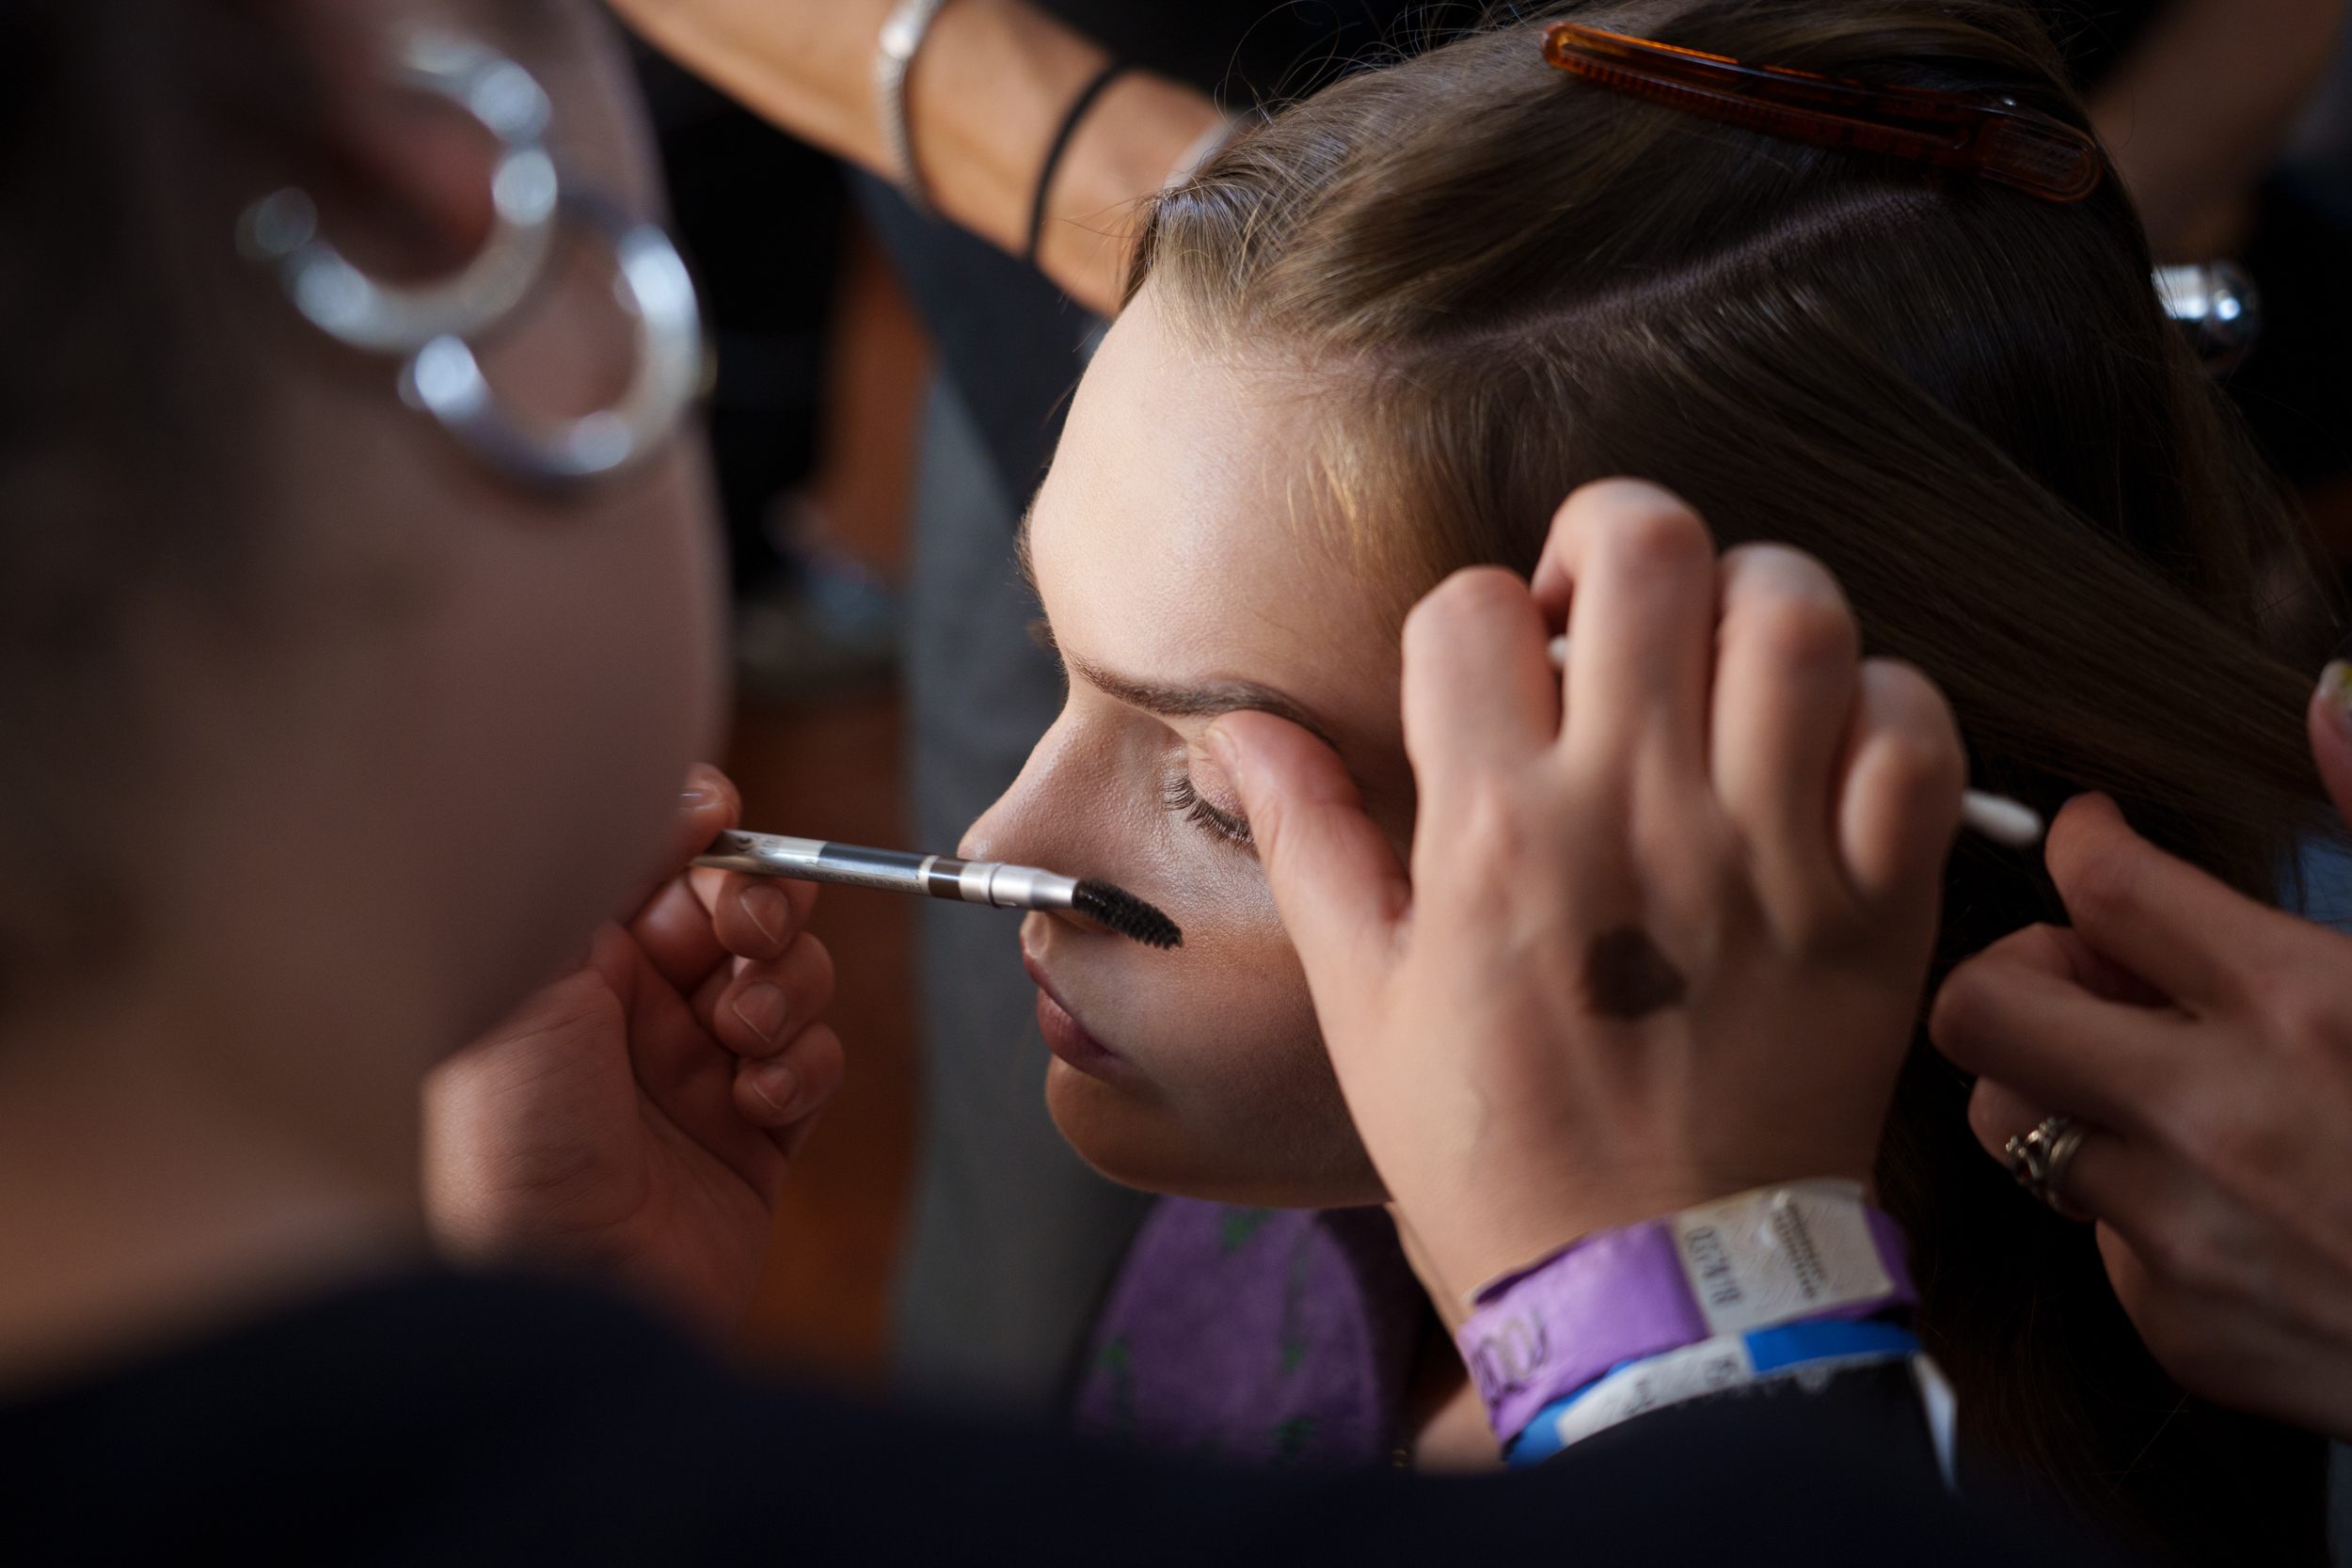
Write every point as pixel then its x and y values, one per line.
pixel 1713 1365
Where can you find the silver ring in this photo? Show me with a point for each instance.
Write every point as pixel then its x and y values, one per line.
pixel 2040 1160
pixel 445 380
pixel 393 318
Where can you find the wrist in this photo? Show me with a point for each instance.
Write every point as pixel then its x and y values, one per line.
pixel 1134 136
pixel 1755 1262
pixel 985 96
pixel 1501 1230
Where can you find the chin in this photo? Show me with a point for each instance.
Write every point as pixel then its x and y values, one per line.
pixel 1135 1139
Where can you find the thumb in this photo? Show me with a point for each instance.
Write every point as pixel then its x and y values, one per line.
pixel 2330 721
pixel 1336 881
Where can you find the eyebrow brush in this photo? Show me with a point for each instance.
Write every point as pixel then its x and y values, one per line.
pixel 2011 824
pixel 990 882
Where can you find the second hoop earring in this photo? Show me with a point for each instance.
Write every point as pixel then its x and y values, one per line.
pixel 444 379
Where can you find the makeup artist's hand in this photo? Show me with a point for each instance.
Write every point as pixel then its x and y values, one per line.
pixel 2206 1041
pixel 636 1116
pixel 1666 950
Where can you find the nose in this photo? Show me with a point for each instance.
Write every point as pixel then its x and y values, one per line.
pixel 1053 816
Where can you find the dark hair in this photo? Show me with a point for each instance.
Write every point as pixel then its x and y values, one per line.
pixel 1965 400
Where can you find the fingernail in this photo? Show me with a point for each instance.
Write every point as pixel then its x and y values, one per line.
pixel 702 785
pixel 769 909
pixel 1220 747
pixel 776 1084
pixel 763 1009
pixel 2335 690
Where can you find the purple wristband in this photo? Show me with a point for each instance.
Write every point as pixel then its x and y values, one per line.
pixel 1779 1255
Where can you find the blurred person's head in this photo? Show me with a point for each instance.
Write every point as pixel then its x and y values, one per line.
pixel 1382 336
pixel 317 737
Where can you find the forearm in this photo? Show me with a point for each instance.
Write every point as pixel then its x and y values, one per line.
pixel 986 92
pixel 2204 103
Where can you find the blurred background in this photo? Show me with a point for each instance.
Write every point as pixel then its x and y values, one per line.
pixel 822 372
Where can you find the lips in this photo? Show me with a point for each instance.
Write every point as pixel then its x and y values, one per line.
pixel 1066 1037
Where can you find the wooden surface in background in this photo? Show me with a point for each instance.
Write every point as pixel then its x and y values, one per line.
pixel 832 771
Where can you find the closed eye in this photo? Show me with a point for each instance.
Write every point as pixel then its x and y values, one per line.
pixel 1182 796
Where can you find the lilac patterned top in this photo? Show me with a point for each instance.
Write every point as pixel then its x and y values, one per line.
pixel 1263 1337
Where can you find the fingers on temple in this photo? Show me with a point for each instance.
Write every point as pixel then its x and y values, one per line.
pixel 1478 687
pixel 781 1093
pixel 2181 929
pixel 759 1009
pixel 2016 1013
pixel 1898 804
pixel 1783 700
pixel 1638 570
pixel 1335 879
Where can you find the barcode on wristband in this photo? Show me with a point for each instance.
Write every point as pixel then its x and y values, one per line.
pixel 1779 1254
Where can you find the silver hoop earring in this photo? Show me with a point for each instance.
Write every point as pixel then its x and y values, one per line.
pixel 388 317
pixel 653 285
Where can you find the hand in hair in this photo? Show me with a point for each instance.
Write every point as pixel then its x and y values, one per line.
pixel 2206 1040
pixel 1665 950
pixel 638 1115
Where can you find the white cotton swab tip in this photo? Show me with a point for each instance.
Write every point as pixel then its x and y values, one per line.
pixel 2011 824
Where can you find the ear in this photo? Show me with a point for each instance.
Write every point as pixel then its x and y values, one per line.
pixel 401 178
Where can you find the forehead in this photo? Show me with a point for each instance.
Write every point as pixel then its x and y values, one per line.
pixel 1178 536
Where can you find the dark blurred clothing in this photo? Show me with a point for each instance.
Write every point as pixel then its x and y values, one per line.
pixel 758 215
pixel 450 1420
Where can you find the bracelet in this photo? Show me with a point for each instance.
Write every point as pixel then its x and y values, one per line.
pixel 901 37
pixel 1069 128
pixel 1804 1250
pixel 1808 1354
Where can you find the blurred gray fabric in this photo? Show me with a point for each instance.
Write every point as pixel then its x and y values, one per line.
pixel 1015 1239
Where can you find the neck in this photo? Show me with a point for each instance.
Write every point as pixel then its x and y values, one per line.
pixel 148 1194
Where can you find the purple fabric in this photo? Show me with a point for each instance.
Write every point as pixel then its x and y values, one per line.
pixel 1276 1336
pixel 1614 1296
pixel 1893 1257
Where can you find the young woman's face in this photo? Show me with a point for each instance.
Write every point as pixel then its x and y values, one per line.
pixel 1183 576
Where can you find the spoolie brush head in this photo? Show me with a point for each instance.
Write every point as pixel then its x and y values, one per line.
pixel 1114 907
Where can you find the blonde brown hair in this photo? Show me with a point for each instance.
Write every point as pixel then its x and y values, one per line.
pixel 1965 400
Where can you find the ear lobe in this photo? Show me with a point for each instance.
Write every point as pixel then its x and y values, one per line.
pixel 401 179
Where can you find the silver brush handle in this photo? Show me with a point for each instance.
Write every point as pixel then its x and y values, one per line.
pixel 817 860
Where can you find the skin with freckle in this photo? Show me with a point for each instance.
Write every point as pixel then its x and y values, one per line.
pixel 1179 579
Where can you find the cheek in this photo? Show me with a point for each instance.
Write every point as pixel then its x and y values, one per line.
pixel 1232 1097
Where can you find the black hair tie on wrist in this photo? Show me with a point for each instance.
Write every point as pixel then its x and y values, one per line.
pixel 1078 108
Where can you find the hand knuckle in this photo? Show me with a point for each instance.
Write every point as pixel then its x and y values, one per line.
pixel 1802 632
pixel 2102 888
pixel 1650 537
pixel 1963 1010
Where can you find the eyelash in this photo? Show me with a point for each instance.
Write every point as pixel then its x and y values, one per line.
pixel 1183 797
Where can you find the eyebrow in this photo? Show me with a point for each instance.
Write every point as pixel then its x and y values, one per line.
pixel 1198 702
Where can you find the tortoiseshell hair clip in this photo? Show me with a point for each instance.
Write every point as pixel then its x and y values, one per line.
pixel 1982 134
